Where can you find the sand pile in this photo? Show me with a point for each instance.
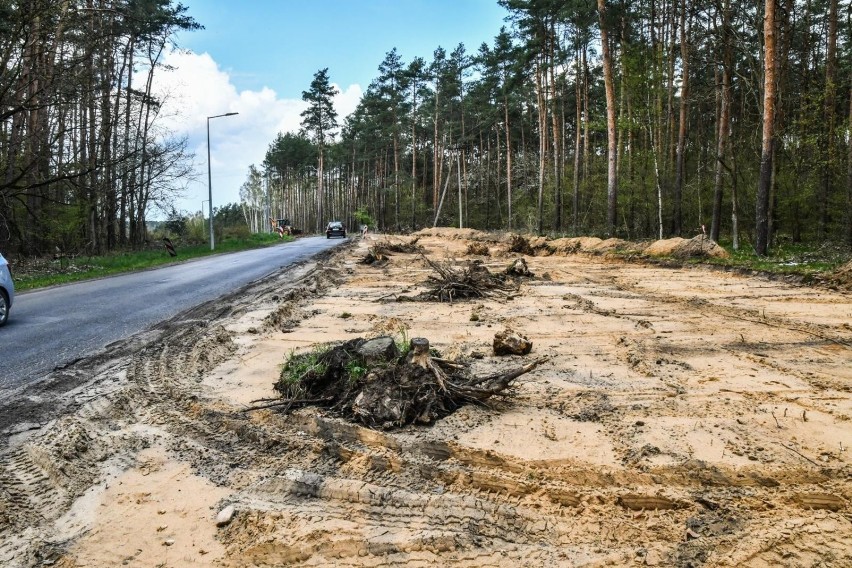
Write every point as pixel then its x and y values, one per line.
pixel 697 247
pixel 700 247
pixel 664 247
pixel 565 246
pixel 455 234
pixel 843 276
pixel 610 245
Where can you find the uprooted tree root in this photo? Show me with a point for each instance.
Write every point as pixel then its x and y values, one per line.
pixel 408 248
pixel 379 253
pixel 477 248
pixel 370 382
pixel 472 280
pixel 521 245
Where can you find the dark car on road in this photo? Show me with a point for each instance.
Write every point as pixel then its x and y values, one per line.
pixel 335 229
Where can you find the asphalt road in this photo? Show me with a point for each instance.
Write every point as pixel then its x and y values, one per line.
pixel 52 326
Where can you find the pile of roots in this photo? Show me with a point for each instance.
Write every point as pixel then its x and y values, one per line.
pixel 477 248
pixel 379 253
pixel 471 280
pixel 371 382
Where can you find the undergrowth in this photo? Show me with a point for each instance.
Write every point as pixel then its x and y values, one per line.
pixel 805 260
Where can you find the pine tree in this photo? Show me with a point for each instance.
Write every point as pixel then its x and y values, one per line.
pixel 319 121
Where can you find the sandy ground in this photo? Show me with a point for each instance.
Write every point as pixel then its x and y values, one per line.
pixel 685 417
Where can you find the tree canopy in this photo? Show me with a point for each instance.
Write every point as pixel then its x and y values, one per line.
pixel 529 132
pixel 83 154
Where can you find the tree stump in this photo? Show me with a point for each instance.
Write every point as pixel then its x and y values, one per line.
pixel 419 354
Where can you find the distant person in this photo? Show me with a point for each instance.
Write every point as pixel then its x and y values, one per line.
pixel 364 231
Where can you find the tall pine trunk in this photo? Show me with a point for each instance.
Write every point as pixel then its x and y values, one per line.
pixel 723 127
pixel 823 206
pixel 612 173
pixel 849 178
pixel 508 160
pixel 578 137
pixel 762 200
pixel 685 27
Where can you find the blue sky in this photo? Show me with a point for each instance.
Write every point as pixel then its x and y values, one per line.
pixel 256 57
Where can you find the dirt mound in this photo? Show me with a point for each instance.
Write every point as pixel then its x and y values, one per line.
pixel 520 244
pixel 564 246
pixel 609 245
pixel 530 245
pixel 455 234
pixel 842 277
pixel 572 245
pixel 699 247
pixel 585 244
pixel 664 247
pixel 540 246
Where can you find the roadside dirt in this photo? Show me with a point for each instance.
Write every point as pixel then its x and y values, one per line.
pixel 684 417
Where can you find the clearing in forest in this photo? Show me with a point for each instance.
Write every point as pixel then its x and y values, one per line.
pixel 676 417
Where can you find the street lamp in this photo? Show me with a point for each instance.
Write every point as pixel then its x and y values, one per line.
pixel 203 201
pixel 209 181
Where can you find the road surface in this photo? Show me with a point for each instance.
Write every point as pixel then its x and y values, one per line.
pixel 52 326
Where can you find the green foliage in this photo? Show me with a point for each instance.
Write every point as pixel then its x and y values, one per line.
pixel 787 257
pixel 356 370
pixel 290 154
pixel 296 367
pixel 64 228
pixel 362 217
pixel 197 230
pixel 320 118
pixel 403 345
pixel 236 232
pixel 230 215
pixel 175 223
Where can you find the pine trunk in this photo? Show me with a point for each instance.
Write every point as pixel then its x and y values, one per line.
pixel 677 215
pixel 762 199
pixel 612 179
pixel 723 126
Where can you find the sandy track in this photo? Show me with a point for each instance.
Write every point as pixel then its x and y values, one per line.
pixel 685 417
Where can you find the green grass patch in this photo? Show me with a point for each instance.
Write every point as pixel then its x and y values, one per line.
pixel 356 370
pixel 297 366
pixel 786 258
pixel 38 273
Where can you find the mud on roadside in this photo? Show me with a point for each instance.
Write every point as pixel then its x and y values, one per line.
pixel 685 418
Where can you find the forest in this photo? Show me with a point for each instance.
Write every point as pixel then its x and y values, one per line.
pixel 634 119
pixel 83 155
pixel 641 119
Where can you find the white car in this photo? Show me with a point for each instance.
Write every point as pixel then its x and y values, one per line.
pixel 7 290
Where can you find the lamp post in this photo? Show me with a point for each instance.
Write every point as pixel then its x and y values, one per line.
pixel 209 177
pixel 203 201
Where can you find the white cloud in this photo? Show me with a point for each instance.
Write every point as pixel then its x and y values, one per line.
pixel 195 88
